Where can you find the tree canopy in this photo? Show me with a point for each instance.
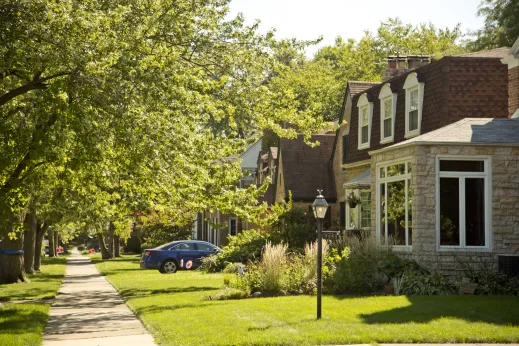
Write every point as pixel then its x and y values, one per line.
pixel 501 27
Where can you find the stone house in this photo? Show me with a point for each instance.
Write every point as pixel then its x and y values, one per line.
pixel 433 184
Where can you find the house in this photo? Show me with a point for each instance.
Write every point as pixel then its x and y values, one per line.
pixel 215 226
pixel 302 170
pixel 433 156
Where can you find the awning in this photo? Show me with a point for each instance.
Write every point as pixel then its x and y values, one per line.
pixel 361 180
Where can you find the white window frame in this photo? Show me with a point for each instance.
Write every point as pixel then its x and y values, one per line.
pixel 385 94
pixel 357 211
pixel 408 179
pixel 194 233
pixel 487 176
pixel 362 103
pixel 235 219
pixel 411 84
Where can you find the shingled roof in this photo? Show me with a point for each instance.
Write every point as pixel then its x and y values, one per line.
pixel 493 53
pixel 470 131
pixel 359 86
pixel 306 169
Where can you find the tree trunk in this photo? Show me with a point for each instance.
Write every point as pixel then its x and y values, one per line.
pixel 29 238
pixel 105 253
pixel 117 248
pixel 52 247
pixel 11 266
pixel 40 234
pixel 56 241
pixel 111 229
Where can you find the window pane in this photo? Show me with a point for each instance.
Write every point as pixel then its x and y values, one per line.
pixel 414 100
pixel 396 212
pixel 364 116
pixel 382 172
pixel 353 218
pixel 449 211
pixel 462 166
pixel 387 128
pixel 395 170
pixel 365 209
pixel 232 227
pixel 382 214
pixel 413 120
pixel 387 108
pixel 364 138
pixel 475 211
pixel 205 247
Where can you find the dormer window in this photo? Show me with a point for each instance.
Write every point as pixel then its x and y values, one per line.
pixel 387 114
pixel 414 91
pixel 365 114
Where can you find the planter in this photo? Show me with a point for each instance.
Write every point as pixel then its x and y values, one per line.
pixel 352 204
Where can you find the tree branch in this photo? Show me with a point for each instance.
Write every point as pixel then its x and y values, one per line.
pixel 37 83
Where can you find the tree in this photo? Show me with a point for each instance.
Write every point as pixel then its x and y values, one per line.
pixel 118 100
pixel 501 27
pixel 365 59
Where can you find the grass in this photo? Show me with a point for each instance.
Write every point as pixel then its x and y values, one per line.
pixel 173 309
pixel 23 323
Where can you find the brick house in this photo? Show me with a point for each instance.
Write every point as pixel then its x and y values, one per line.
pixel 433 184
pixel 215 226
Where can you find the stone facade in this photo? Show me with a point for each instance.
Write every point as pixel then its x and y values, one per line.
pixel 504 175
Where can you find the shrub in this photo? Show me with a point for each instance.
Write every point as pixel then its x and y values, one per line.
pixel 232 268
pixel 296 227
pixel 418 283
pixel 493 282
pixel 357 271
pixel 81 248
pixel 242 248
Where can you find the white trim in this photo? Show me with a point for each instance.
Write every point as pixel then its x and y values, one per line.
pixel 357 164
pixel 487 176
pixel 363 103
pixel 511 61
pixel 411 84
pixel 386 93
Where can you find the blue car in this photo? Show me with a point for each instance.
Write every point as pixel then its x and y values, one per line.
pixel 180 254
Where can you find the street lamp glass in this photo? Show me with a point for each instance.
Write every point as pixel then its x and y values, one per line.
pixel 319 206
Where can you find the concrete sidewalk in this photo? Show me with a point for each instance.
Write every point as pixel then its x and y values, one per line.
pixel 88 311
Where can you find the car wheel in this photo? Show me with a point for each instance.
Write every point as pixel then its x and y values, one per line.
pixel 169 267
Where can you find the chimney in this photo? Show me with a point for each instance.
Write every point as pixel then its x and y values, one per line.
pixel 397 65
pixel 512 60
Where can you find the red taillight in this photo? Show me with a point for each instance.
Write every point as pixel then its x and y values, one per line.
pixel 148 253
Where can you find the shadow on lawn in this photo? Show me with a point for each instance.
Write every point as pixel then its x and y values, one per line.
pixel 19 320
pixel 172 307
pixel 502 310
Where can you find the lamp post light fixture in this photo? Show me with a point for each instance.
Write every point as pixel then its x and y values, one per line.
pixel 319 207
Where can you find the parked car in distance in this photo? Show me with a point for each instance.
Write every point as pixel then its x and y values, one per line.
pixel 180 254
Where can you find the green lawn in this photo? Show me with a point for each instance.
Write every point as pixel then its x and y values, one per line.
pixel 23 323
pixel 172 308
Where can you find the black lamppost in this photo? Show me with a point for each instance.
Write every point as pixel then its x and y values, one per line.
pixel 319 206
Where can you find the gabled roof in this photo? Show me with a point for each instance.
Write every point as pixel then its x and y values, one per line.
pixel 493 53
pixel 469 131
pixel 359 86
pixel 306 169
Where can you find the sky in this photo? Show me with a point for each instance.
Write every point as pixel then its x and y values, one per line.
pixel 309 19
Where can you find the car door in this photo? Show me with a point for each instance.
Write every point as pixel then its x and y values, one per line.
pixel 203 250
pixel 185 254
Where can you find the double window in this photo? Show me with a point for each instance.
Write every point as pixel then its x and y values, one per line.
pixel 394 204
pixel 387 114
pixel 463 203
pixel 365 114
